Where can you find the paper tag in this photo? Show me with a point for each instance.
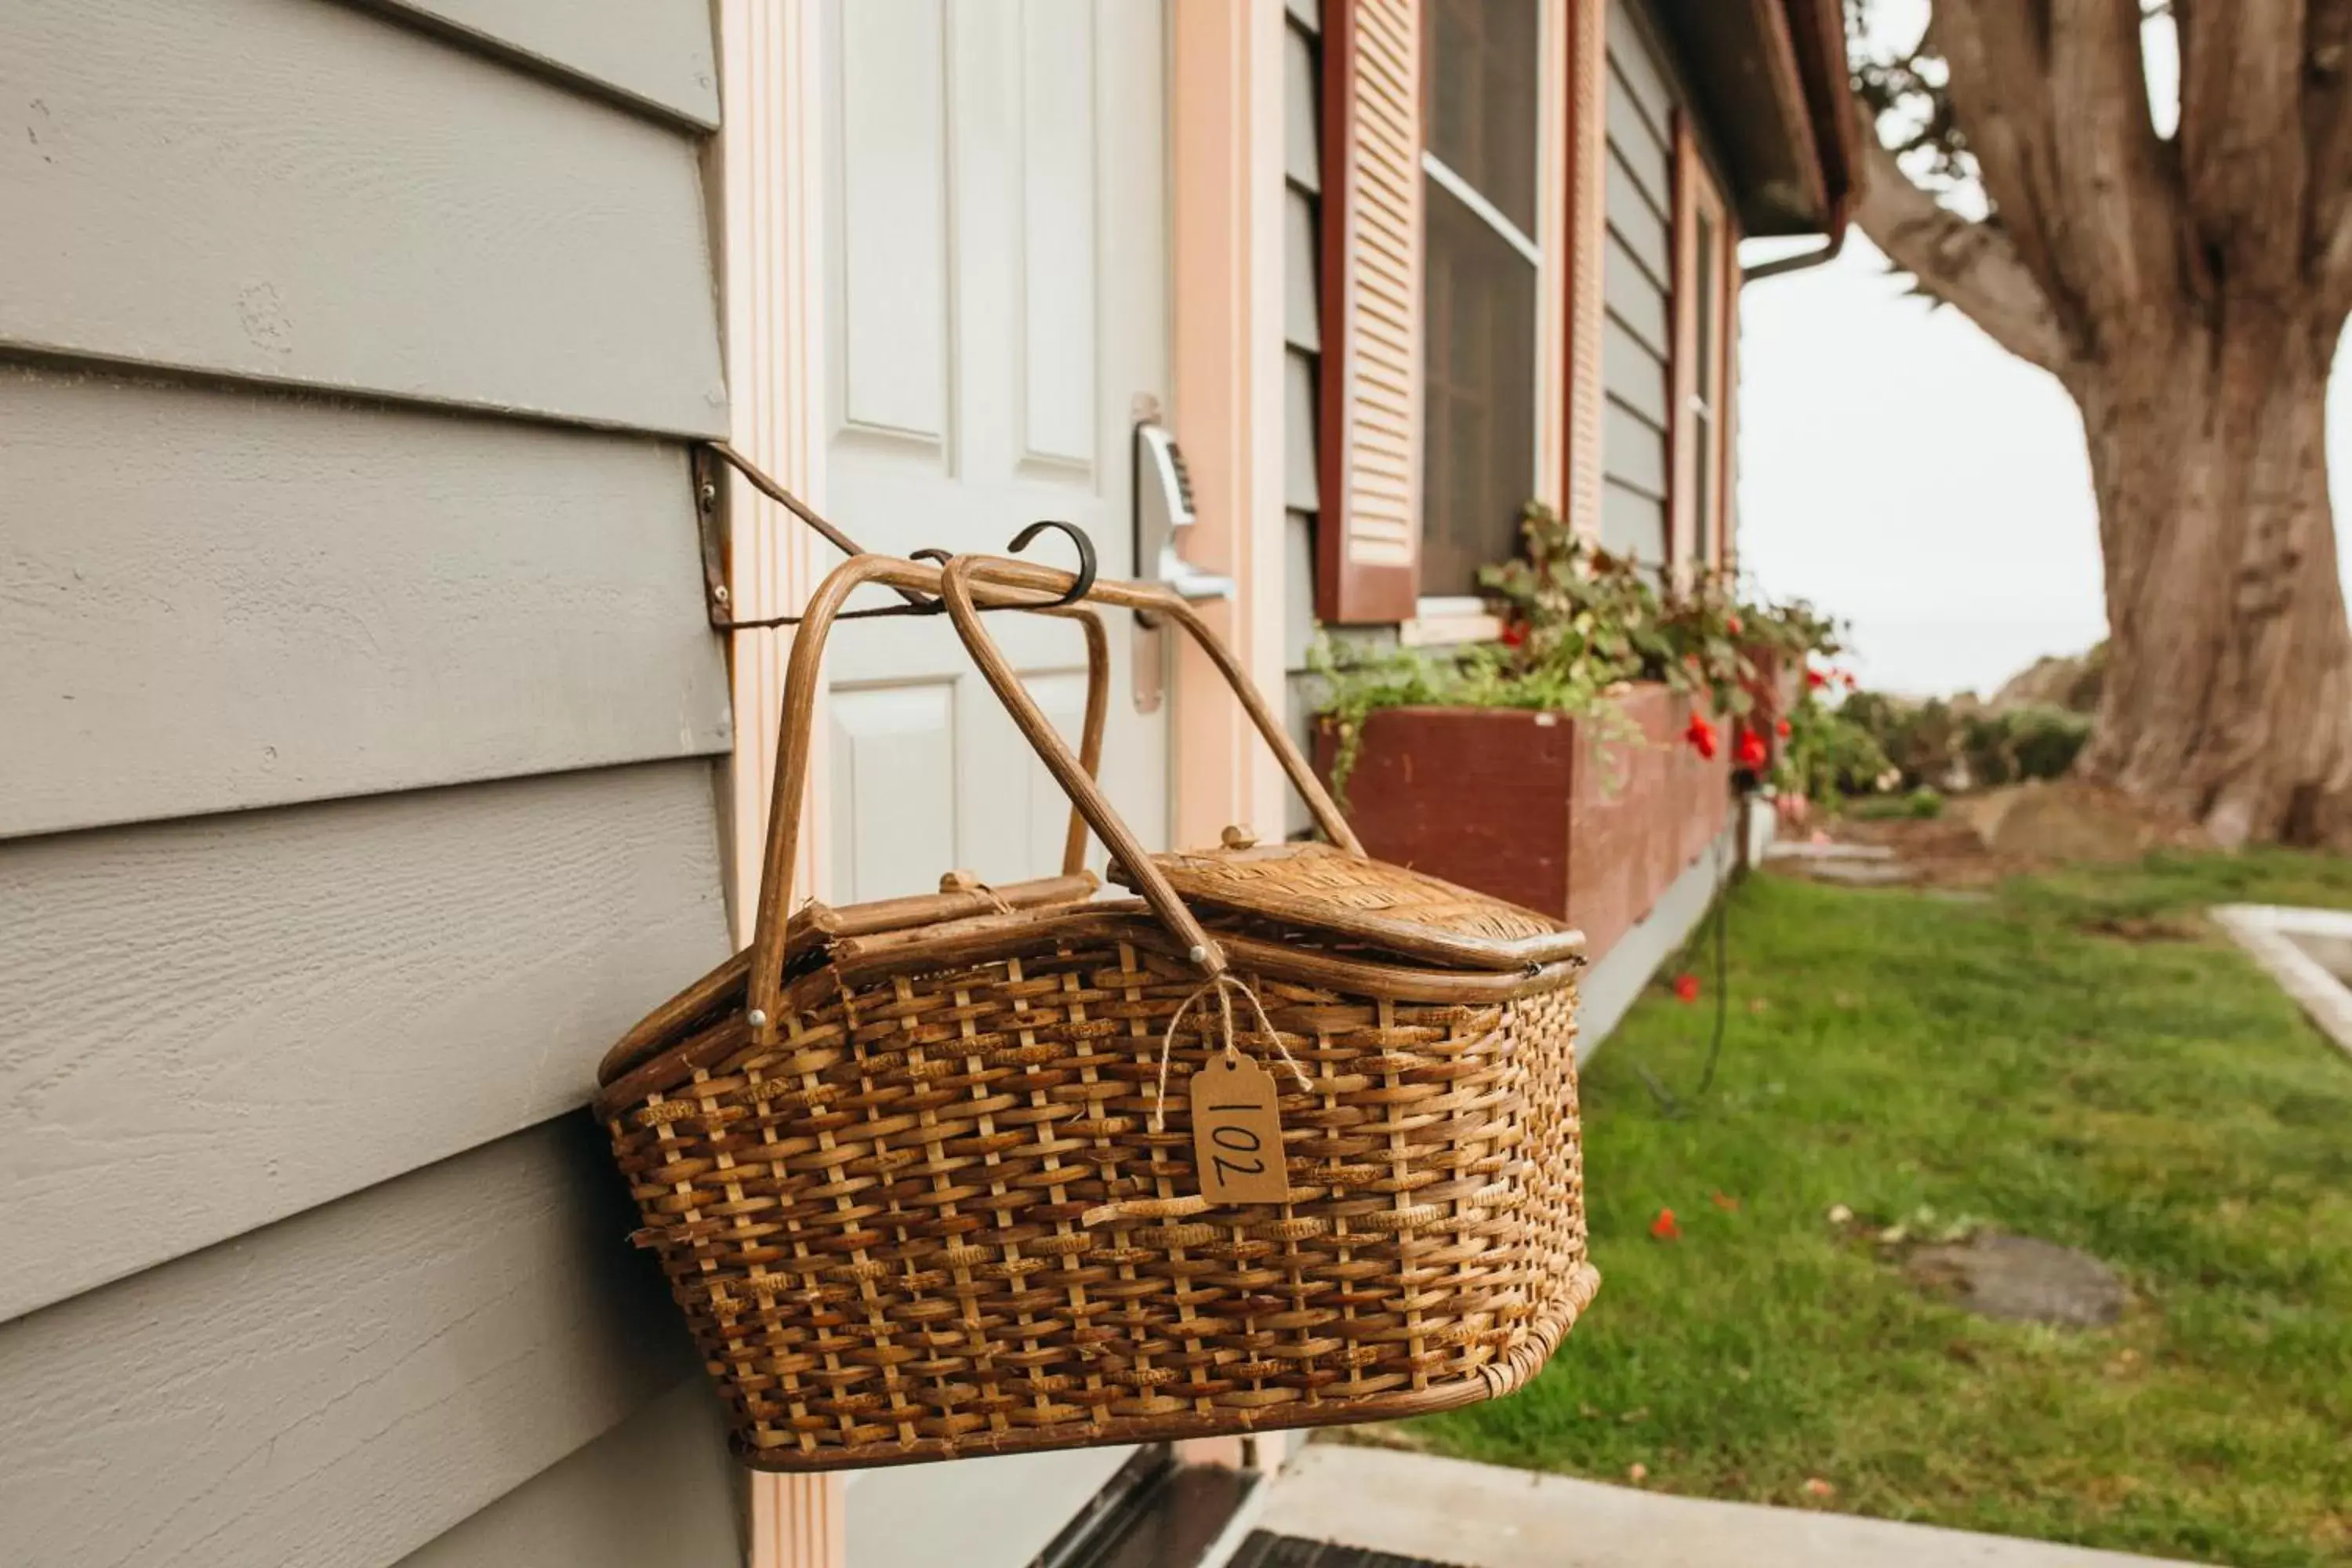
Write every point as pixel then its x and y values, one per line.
pixel 1237 1133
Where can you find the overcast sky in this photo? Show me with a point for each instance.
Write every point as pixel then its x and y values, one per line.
pixel 1902 472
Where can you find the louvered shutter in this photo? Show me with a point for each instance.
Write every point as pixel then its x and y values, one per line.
pixel 1369 535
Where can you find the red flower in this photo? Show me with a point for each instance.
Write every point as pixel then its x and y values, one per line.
pixel 1816 679
pixel 1781 729
pixel 1732 625
pixel 1748 752
pixel 1665 1228
pixel 1686 987
pixel 1514 634
pixel 1847 676
pixel 1701 736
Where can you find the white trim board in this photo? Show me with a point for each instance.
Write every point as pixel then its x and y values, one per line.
pixel 2279 939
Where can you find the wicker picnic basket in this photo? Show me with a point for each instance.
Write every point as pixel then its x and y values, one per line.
pixel 924 1177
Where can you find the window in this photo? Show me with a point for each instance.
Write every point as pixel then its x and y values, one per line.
pixel 1480 163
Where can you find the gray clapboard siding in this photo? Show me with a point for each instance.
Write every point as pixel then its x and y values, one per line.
pixel 656 52
pixel 1631 371
pixel 1302 125
pixel 338 1389
pixel 215 1023
pixel 1300 476
pixel 1640 219
pixel 293 191
pixel 1302 324
pixel 1632 524
pixel 1636 448
pixel 1301 368
pixel 1636 287
pixel 216 599
pixel 1636 67
pixel 659 1490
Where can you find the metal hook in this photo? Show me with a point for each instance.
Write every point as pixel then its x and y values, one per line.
pixel 917 603
pixel 1078 536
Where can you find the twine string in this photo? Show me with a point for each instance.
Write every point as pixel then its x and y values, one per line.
pixel 1225 985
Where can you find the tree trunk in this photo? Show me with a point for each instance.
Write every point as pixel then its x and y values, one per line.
pixel 2228 695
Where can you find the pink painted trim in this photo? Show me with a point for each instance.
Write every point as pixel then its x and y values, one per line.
pixel 1226 130
pixel 766 171
pixel 1552 238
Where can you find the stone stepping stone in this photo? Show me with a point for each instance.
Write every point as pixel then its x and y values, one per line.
pixel 2022 1279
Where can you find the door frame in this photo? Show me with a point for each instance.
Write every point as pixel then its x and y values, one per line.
pixel 766 188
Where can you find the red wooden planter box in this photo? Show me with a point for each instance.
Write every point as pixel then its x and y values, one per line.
pixel 1539 808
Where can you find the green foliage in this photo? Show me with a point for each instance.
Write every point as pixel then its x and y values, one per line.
pixel 1935 743
pixel 2022 743
pixel 1358 681
pixel 1921 805
pixel 1580 623
pixel 2160 1105
pixel 1828 755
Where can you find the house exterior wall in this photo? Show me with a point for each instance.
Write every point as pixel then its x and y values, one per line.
pixel 1620 124
pixel 357 783
pixel 1637 293
pixel 1302 343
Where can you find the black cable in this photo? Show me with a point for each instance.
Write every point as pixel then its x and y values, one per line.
pixel 1671 1105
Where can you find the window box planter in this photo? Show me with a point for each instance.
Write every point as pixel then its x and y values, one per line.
pixel 1578 818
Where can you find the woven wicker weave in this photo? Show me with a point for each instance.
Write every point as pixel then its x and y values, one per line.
pixel 898 1162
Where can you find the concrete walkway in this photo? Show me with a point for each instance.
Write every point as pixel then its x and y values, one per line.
pixel 1483 1516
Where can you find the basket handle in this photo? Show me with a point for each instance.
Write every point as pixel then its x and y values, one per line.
pixel 770 916
pixel 1154 599
pixel 955 589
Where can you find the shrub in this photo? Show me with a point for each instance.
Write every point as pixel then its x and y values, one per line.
pixel 2034 743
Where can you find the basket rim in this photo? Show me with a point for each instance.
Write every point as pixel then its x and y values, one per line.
pixel 664 1049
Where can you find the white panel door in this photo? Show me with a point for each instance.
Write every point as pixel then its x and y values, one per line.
pixel 998 302
pixel 998 296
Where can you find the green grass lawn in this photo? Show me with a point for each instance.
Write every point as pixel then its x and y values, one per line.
pixel 2011 1061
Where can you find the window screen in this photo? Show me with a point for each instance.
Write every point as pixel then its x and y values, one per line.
pixel 1479 275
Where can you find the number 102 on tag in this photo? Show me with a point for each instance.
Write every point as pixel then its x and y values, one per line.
pixel 1237 1133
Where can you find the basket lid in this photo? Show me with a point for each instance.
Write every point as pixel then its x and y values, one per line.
pixel 1320 887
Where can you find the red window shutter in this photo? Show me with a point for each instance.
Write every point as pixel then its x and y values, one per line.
pixel 1369 530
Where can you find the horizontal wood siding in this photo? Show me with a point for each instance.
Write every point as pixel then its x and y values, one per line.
pixel 1637 282
pixel 1302 437
pixel 659 1490
pixel 337 1390
pixel 221 598
pixel 358 707
pixel 653 52
pixel 297 192
pixel 239 1017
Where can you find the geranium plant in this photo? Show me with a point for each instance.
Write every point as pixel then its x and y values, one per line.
pixel 1579 625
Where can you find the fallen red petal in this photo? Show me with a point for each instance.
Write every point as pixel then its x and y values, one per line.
pixel 1665 1228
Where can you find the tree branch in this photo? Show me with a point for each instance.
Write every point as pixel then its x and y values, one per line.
pixel 2243 157
pixel 1998 88
pixel 1972 267
pixel 2120 243
pixel 2328 131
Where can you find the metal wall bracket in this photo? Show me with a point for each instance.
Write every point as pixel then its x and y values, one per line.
pixel 711 457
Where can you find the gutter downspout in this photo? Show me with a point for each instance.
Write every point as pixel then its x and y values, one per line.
pixel 1804 260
